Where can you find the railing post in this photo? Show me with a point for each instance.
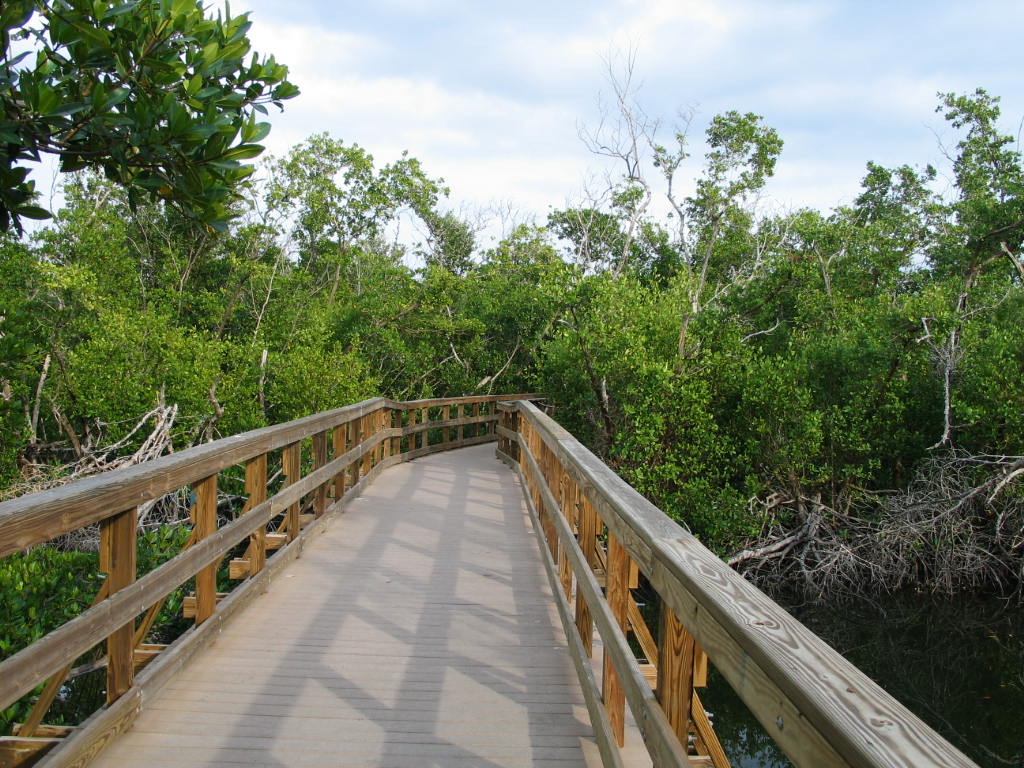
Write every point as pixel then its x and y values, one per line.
pixel 338 440
pixel 365 426
pixel 291 460
pixel 617 595
pixel 319 459
pixel 205 524
pixel 564 496
pixel 118 561
pixel 588 544
pixel 675 672
pixel 256 491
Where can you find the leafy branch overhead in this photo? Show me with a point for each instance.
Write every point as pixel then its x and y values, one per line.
pixel 161 98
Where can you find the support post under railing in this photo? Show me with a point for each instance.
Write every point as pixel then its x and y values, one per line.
pixel 256 491
pixel 319 459
pixel 291 463
pixel 675 672
pixel 118 561
pixel 617 595
pixel 205 524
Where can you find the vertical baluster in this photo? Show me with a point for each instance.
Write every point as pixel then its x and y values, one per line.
pixel 446 432
pixel 338 439
pixel 617 596
pixel 256 491
pixel 514 426
pixel 476 414
pixel 319 459
pixel 588 543
pixel 117 560
pixel 365 425
pixel 675 672
pixel 205 525
pixel 566 505
pixel 291 460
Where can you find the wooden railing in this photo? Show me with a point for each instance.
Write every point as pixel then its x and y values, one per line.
pixel 324 460
pixel 819 708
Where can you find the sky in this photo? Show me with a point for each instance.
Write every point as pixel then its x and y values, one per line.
pixel 491 96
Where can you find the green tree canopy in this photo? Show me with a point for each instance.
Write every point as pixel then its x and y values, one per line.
pixel 160 97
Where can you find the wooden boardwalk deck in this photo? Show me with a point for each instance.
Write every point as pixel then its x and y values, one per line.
pixel 418 630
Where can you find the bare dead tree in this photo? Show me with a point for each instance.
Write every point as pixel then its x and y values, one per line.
pixel 958 525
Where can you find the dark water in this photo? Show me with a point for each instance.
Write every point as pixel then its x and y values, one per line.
pixel 958 664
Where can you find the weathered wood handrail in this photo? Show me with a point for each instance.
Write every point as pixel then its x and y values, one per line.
pixel 819 708
pixel 349 447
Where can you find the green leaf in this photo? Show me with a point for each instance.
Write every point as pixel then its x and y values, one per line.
pixel 243 152
pixel 33 212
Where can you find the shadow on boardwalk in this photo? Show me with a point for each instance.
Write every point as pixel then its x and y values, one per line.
pixel 417 631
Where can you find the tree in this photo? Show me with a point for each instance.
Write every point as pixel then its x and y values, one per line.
pixel 154 93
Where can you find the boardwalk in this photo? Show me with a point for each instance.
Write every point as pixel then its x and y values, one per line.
pixel 417 631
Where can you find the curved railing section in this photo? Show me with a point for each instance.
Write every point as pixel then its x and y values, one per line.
pixel 600 536
pixel 324 460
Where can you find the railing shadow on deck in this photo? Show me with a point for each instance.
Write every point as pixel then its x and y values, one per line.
pixel 326 460
pixel 412 554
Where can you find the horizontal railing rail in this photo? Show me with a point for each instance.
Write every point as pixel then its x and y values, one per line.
pixel 819 708
pixel 325 459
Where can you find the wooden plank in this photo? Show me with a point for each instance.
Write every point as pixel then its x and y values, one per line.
pixel 365 432
pixel 45 731
pixel 617 595
pixel 313 736
pixel 338 441
pixel 190 605
pixel 675 673
pixel 33 723
pixel 700 667
pixel 101 728
pixel 319 459
pixel 24 751
pixel 256 494
pixel 117 560
pixel 291 461
pixel 588 545
pixel 356 439
pixel 21 672
pixel 603 731
pixel 642 632
pixel 36 518
pixel 707 739
pixel 664 747
pixel 205 525
pixel 276 540
pixel 819 708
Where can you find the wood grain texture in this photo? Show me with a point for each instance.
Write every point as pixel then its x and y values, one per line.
pixel 205 514
pixel 449 653
pixel 663 746
pixel 617 596
pixel 818 707
pixel 118 561
pixel 675 672
pixel 33 519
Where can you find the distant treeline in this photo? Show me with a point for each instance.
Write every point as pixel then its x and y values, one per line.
pixel 835 400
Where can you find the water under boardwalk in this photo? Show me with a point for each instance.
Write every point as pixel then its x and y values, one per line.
pixel 419 630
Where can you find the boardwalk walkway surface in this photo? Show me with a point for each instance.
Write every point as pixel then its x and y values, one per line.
pixel 418 630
